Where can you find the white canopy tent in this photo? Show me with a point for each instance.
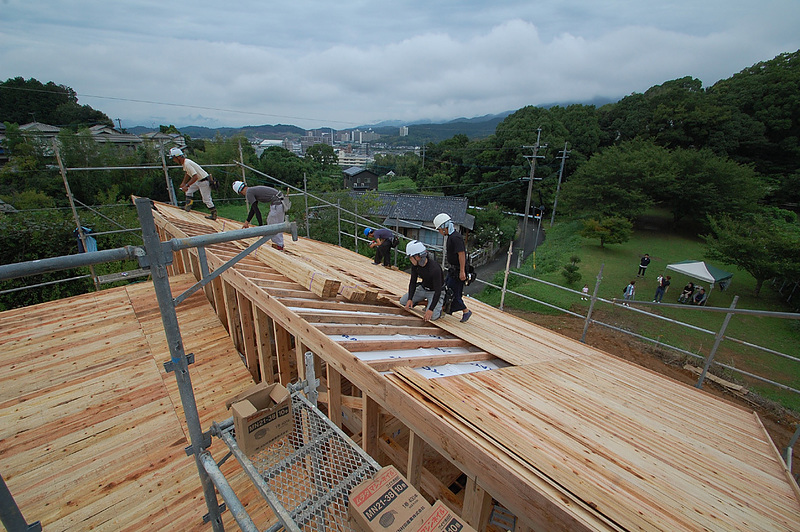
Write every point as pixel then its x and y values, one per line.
pixel 697 269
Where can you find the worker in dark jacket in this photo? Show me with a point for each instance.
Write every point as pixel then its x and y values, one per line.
pixel 381 239
pixel 426 281
pixel 263 194
pixel 456 255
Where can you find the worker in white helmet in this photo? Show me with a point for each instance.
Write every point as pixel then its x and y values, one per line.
pixel 426 281
pixel 263 194
pixel 456 260
pixel 194 179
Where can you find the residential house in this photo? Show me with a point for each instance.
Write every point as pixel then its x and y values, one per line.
pixel 360 179
pixel 411 215
pixel 103 134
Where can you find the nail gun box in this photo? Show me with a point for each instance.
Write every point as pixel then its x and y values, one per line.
pixel 439 518
pixel 262 414
pixel 386 503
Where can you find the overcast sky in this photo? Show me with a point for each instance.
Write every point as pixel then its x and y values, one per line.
pixel 315 63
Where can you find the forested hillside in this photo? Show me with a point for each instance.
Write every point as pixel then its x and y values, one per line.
pixel 723 161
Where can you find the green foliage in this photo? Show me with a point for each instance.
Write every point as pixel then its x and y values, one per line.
pixel 613 230
pixel 570 271
pixel 398 185
pixel 323 155
pixel 25 101
pixel 492 225
pixel 763 244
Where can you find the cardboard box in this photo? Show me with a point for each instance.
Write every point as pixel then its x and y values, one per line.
pixel 439 518
pixel 261 415
pixel 387 503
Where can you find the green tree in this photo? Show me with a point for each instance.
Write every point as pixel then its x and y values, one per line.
pixel 492 225
pixel 765 244
pixel 620 181
pixel 322 155
pixel 284 165
pixel 23 101
pixel 613 230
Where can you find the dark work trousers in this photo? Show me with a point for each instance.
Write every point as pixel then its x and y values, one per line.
pixel 383 252
pixel 457 285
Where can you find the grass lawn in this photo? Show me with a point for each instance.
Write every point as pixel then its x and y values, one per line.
pixel 620 264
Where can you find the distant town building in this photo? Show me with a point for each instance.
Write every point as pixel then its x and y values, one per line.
pixel 316 136
pixel 403 131
pixel 348 159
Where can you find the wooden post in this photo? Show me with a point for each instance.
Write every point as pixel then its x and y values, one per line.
pixel 416 452
pixel 219 301
pixel 334 396
pixel 265 342
pixel 248 335
pixel 283 349
pixel 477 505
pixel 369 426
pixel 232 314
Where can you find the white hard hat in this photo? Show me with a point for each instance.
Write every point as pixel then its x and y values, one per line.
pixel 238 186
pixel 415 247
pixel 175 152
pixel 440 220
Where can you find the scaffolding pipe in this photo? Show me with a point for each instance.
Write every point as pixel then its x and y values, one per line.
pixel 66 262
pixel 232 501
pixel 177 244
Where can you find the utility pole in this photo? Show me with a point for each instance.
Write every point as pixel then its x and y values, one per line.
pixel 558 188
pixel 532 159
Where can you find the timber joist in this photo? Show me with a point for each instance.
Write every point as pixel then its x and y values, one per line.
pixel 563 435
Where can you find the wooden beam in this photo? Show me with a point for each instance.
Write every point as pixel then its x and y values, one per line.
pixel 477 505
pixel 388 344
pixel 388 364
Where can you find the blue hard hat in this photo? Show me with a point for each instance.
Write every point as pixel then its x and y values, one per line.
pixel 367 231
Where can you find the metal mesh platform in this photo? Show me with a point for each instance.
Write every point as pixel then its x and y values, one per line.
pixel 306 477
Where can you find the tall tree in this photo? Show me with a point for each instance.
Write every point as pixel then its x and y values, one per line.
pixel 765 244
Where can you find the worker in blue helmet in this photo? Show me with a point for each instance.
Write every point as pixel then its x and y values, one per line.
pixel 381 239
pixel 426 283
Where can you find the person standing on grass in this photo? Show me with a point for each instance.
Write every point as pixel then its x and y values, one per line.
pixel 630 292
pixel 662 288
pixel 643 264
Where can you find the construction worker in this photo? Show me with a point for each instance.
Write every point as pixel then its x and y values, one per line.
pixel 456 257
pixel 194 179
pixel 263 194
pixel 431 278
pixel 381 239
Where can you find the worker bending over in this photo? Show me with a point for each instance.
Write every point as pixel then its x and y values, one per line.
pixel 431 279
pixel 263 194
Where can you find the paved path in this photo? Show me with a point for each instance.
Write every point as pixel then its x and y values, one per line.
pixel 487 271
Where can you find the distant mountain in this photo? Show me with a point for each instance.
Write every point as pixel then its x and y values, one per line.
pixel 276 132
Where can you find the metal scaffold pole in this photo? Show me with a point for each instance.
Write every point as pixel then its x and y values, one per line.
pixel 157 256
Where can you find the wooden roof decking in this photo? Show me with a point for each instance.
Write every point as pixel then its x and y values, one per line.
pixel 568 436
pixel 92 433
